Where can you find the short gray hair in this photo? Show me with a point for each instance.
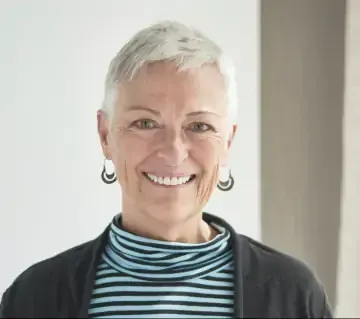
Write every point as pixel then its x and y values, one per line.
pixel 169 41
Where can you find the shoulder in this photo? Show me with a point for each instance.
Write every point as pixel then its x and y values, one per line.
pixel 52 265
pixel 35 282
pixel 291 280
pixel 277 264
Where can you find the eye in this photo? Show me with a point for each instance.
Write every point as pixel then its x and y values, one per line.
pixel 200 127
pixel 145 124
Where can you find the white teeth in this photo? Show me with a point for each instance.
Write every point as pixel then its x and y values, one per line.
pixel 173 181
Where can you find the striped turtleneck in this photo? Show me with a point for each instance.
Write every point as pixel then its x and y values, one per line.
pixel 145 278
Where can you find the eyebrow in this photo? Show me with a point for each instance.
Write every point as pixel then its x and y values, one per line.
pixel 196 113
pixel 142 108
pixel 150 110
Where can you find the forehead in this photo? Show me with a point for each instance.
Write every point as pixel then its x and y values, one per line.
pixel 162 82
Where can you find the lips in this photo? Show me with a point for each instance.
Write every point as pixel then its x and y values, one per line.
pixel 169 180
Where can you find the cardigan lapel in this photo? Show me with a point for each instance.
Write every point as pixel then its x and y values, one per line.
pixel 240 263
pixel 85 274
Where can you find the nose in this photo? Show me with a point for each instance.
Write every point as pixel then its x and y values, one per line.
pixel 173 148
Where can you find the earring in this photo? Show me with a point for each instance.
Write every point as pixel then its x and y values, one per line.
pixel 107 178
pixel 225 186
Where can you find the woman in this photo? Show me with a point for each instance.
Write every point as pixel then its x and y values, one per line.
pixel 167 124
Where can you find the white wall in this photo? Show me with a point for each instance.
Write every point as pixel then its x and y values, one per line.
pixel 54 56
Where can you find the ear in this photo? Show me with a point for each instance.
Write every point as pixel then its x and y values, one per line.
pixel 232 136
pixel 103 126
pixel 228 145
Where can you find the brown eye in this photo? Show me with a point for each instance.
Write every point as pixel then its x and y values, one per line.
pixel 145 124
pixel 200 127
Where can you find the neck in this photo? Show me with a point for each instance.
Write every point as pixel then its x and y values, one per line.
pixel 193 230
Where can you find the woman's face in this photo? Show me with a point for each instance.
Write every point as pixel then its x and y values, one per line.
pixel 168 136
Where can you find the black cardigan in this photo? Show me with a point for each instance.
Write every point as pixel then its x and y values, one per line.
pixel 267 283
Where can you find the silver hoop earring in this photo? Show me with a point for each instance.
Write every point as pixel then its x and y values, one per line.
pixel 227 185
pixel 107 178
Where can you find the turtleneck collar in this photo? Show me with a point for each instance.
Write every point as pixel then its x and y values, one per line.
pixel 150 259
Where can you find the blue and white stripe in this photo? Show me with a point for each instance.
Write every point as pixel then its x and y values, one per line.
pixel 146 278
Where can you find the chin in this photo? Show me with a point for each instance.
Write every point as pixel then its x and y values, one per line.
pixel 172 212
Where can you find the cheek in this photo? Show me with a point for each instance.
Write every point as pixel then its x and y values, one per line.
pixel 208 155
pixel 131 146
pixel 209 151
pixel 128 151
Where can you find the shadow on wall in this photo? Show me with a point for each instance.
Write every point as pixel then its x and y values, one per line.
pixel 302 89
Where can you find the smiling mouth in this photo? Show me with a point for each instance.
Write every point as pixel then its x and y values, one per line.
pixel 170 181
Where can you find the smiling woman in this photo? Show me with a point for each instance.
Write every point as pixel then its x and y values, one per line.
pixel 167 123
